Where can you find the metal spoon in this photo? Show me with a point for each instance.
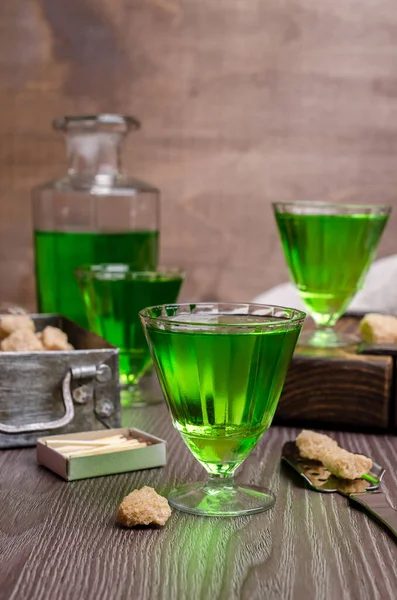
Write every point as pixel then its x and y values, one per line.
pixel 363 491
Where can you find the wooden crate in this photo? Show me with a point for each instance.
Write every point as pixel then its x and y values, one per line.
pixel 347 388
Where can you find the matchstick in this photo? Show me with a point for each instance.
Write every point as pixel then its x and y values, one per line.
pixel 104 450
pixel 78 443
pixel 107 448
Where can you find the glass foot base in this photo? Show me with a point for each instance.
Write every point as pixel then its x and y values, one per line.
pixel 326 338
pixel 221 501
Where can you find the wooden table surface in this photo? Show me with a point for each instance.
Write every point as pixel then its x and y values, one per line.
pixel 59 541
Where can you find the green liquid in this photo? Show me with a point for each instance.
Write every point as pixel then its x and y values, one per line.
pixel 112 308
pixel 328 257
pixel 222 388
pixel 59 253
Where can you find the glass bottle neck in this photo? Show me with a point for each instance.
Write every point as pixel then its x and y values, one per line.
pixel 94 157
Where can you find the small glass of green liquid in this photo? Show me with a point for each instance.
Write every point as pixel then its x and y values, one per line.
pixel 113 295
pixel 59 253
pixel 222 369
pixel 329 249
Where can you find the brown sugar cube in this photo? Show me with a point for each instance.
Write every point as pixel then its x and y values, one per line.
pixel 314 445
pixel 336 460
pixel 380 329
pixel 54 338
pixel 143 507
pixel 346 465
pixel 22 340
pixel 10 323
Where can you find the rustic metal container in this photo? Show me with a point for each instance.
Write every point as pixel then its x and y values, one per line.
pixel 42 393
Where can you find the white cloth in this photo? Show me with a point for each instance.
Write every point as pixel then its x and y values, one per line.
pixel 379 293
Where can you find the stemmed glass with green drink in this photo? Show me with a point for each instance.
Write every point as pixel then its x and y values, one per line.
pixel 329 249
pixel 221 368
pixel 113 295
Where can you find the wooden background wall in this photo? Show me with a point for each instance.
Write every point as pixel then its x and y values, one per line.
pixel 242 102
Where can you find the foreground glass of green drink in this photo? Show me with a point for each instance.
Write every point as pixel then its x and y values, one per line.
pixel 221 368
pixel 329 249
pixel 113 295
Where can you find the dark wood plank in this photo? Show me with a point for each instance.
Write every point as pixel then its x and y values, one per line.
pixel 353 392
pixel 27 495
pixel 242 103
pixel 308 546
pixel 339 387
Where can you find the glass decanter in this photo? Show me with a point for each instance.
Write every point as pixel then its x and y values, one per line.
pixel 95 214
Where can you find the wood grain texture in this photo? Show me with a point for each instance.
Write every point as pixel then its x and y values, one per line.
pixel 346 391
pixel 339 386
pixel 59 540
pixel 241 103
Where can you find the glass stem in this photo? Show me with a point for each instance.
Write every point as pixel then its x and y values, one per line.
pixel 220 480
pixel 324 328
pixel 324 336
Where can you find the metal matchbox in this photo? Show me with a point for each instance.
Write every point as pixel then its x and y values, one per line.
pixel 47 392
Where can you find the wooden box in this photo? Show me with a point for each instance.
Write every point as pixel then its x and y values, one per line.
pixel 349 388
